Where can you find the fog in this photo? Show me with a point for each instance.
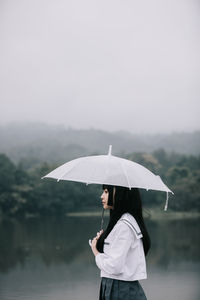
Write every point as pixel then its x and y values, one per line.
pixel 112 65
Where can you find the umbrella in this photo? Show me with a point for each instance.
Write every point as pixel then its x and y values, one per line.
pixel 111 170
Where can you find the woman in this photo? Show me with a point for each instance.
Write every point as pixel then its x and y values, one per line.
pixel 120 250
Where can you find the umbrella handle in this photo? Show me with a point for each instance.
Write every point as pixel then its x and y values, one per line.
pixel 90 241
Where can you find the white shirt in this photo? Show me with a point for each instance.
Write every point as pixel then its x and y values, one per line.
pixel 123 256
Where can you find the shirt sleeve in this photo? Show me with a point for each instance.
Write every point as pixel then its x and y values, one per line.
pixel 113 262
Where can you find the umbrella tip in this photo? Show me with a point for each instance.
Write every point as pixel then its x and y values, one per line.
pixel 110 150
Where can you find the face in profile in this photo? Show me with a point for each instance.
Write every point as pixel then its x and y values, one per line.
pixel 104 199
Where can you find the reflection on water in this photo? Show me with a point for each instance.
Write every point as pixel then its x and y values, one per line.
pixel 50 259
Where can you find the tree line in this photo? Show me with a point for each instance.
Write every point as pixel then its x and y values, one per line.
pixel 24 193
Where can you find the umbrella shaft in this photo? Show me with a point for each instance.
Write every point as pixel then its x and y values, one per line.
pixel 102 218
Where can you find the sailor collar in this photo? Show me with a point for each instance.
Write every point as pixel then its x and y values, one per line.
pixel 131 222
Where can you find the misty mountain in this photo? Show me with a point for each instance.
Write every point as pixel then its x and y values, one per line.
pixel 57 144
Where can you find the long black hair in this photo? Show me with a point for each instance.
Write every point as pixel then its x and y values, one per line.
pixel 125 201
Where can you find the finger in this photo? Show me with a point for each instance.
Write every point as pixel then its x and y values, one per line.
pixel 100 233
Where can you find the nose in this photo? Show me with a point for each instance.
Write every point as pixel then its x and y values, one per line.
pixel 101 196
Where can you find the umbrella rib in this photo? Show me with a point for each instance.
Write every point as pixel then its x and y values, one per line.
pixel 67 172
pixel 122 166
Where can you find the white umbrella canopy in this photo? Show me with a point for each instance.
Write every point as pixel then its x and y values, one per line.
pixel 111 170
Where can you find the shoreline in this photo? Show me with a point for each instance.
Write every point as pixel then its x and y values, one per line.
pixel 151 214
pixel 154 215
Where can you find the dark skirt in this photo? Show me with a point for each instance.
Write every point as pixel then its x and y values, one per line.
pixel 113 289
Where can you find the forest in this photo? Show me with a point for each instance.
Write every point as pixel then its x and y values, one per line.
pixel 24 193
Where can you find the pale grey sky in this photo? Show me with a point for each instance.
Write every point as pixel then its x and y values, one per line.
pixel 109 64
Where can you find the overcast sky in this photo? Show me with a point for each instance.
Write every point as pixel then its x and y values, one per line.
pixel 109 64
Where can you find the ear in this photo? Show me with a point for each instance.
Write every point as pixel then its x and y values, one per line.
pixel 114 192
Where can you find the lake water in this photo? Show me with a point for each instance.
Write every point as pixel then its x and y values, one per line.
pixel 49 258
